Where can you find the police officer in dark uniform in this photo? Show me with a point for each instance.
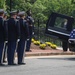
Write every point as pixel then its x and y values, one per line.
pixel 65 42
pixel 2 35
pixel 5 48
pixel 65 45
pixel 13 35
pixel 30 22
pixel 23 37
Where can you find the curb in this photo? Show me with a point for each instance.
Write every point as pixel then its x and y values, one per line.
pixel 49 54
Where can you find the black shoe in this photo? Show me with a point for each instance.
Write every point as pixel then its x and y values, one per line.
pixel 28 51
pixel 2 64
pixel 64 50
pixel 21 63
pixel 12 64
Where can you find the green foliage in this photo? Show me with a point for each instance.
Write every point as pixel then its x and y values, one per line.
pixel 41 9
pixel 2 4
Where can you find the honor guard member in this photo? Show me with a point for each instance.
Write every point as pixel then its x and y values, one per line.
pixel 13 34
pixel 30 22
pixel 2 35
pixel 64 43
pixel 23 37
pixel 5 48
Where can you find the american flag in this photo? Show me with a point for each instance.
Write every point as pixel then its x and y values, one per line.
pixel 72 36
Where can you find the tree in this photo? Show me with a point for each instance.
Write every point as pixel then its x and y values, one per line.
pixel 16 4
pixel 2 4
pixel 42 9
pixel 38 9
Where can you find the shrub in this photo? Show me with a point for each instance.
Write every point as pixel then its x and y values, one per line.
pixel 32 40
pixel 48 43
pixel 37 42
pixel 42 46
pixel 53 46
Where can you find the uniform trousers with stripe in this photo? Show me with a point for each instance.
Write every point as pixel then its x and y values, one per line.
pixel 11 52
pixel 21 50
pixel 1 51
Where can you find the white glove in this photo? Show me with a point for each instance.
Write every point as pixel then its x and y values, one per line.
pixel 18 40
pixel 6 41
pixel 27 39
pixel 69 41
pixel 33 33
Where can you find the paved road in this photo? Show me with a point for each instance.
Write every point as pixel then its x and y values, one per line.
pixel 50 65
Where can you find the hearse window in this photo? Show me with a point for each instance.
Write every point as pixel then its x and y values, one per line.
pixel 61 23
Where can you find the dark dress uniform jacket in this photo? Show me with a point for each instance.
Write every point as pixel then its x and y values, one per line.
pixel 2 30
pixel 13 29
pixel 24 31
pixel 30 22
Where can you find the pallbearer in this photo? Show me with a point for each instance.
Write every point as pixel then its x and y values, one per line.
pixel 23 37
pixel 2 35
pixel 30 22
pixel 6 41
pixel 13 34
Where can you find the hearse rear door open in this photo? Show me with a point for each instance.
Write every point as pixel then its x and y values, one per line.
pixel 59 26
